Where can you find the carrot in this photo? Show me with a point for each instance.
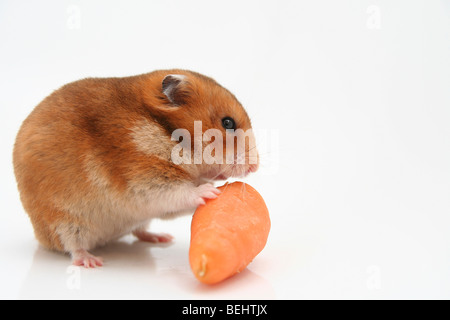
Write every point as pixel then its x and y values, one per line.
pixel 228 232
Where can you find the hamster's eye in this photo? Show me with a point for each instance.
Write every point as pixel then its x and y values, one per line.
pixel 228 123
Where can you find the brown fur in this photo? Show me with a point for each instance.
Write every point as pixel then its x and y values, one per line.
pixel 77 146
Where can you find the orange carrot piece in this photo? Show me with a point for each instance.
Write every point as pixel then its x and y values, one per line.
pixel 228 232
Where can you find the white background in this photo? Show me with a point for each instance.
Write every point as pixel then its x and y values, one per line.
pixel 352 95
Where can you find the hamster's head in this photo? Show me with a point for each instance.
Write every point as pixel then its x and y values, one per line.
pixel 213 129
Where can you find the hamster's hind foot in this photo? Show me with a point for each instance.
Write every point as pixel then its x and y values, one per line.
pixel 84 259
pixel 153 237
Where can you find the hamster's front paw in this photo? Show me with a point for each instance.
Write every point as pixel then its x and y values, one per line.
pixel 204 191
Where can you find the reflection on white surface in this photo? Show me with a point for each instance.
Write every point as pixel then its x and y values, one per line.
pixel 133 270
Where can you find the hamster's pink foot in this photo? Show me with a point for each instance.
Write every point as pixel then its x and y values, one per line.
pixel 153 237
pixel 84 259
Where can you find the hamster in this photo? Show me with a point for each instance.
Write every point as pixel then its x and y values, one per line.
pixel 94 160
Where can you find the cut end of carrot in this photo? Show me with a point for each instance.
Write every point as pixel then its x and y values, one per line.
pixel 206 262
pixel 202 270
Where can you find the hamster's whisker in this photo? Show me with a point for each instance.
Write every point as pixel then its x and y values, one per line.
pixel 243 190
pixel 250 149
pixel 220 172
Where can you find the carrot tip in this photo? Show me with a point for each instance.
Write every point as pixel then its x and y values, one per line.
pixel 202 271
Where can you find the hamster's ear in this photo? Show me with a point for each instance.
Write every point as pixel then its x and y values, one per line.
pixel 174 88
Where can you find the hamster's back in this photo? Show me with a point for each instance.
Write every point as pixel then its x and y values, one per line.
pixel 70 127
